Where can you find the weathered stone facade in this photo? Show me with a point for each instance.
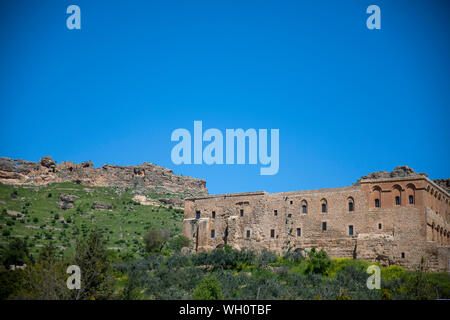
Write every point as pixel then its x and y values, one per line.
pixel 393 218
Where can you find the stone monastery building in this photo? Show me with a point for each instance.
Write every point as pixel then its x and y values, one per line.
pixel 391 217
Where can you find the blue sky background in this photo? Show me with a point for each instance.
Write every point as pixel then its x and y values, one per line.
pixel 347 100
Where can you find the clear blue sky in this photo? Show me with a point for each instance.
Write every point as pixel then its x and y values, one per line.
pixel 347 100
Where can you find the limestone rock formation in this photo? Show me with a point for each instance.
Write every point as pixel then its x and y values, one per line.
pixel 67 201
pixel 398 172
pixel 146 177
pixel 97 205
pixel 443 183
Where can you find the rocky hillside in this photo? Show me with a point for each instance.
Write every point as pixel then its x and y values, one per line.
pixel 146 177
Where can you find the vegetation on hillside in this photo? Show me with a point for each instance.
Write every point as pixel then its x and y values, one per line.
pixel 33 214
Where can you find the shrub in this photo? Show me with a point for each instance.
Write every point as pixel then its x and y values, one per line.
pixel 318 262
pixel 208 289
pixel 154 240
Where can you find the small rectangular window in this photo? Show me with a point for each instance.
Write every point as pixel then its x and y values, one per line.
pixel 299 232
pixel 213 214
pixel 304 208
pixel 380 226
pixel 242 212
pixel 213 233
pixel 324 207
pixel 197 214
pixel 350 206
pixel 350 230
pixel 411 199
pixel 377 203
pixel 397 200
pixel 275 212
pixel 403 255
pixel 248 233
pixel 324 226
pixel 272 233
pixel 292 202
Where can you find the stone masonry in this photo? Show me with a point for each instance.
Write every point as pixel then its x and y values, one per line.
pixel 393 217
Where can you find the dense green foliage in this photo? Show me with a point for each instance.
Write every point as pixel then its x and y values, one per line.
pixel 46 277
pixel 208 289
pixel 233 274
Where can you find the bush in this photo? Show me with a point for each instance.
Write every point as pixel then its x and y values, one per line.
pixel 318 262
pixel 154 240
pixel 176 243
pixel 208 289
pixel 16 253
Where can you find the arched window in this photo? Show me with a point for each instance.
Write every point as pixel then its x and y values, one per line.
pixel 324 205
pixel 397 192
pixel 351 204
pixel 411 193
pixel 304 206
pixel 376 197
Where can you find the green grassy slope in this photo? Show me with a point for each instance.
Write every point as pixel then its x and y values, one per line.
pixel 32 213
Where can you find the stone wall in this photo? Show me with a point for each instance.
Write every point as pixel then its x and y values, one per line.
pixel 394 231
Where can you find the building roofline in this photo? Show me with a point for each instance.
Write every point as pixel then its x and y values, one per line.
pixel 228 195
pixel 354 186
pixel 395 179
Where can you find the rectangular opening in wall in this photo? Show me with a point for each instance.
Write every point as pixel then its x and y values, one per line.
pixel 213 233
pixel 411 199
pixel 403 255
pixel 272 233
pixel 248 233
pixel 350 230
pixel 380 226
pixel 197 214
pixel 324 226
pixel 213 214
pixel 397 200
pixel 304 208
pixel 377 203
pixel 299 232
pixel 275 212
pixel 241 212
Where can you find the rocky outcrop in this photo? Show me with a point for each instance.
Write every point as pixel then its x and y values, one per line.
pixel 146 177
pixel 398 172
pixel 172 202
pixel 67 201
pixel 443 183
pixel 97 205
